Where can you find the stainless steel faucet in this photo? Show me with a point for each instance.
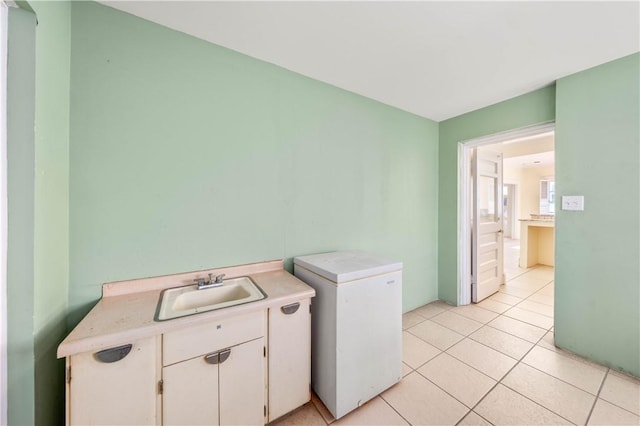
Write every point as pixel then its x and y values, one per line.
pixel 213 282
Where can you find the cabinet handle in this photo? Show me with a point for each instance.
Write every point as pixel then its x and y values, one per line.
pixel 224 355
pixel 290 309
pixel 113 354
pixel 213 358
pixel 217 357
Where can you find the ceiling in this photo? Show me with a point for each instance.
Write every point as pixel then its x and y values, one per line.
pixel 436 59
pixel 531 161
pixel 527 153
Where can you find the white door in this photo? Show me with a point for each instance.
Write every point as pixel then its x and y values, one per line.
pixel 486 265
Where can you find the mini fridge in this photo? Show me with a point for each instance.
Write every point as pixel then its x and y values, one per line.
pixel 356 326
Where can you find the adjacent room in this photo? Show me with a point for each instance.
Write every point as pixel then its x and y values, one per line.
pixel 295 213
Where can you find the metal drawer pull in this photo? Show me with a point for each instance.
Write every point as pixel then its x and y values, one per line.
pixel 290 309
pixel 113 354
pixel 213 358
pixel 224 355
pixel 217 357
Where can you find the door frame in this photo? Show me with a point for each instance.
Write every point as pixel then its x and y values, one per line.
pixel 465 204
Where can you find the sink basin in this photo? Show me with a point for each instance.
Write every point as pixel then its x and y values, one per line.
pixel 188 300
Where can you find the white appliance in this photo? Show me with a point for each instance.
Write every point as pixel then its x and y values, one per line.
pixel 356 326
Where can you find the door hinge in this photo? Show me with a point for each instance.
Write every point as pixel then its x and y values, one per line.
pixel 68 378
pixel 264 351
pixel 265 410
pixel 160 387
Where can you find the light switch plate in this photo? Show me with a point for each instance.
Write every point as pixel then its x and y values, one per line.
pixel 573 202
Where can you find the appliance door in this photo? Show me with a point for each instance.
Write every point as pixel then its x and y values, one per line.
pixel 369 339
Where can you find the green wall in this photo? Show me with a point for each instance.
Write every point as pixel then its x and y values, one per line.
pixel 598 250
pixel 532 108
pixel 20 216
pixel 51 239
pixel 185 156
pixel 157 153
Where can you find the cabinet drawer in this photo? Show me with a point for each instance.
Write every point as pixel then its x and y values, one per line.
pixel 212 336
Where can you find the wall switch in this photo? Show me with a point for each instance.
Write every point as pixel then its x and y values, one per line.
pixel 573 202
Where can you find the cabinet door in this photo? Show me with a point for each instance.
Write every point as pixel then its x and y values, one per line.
pixel 242 385
pixel 107 390
pixel 190 393
pixel 289 358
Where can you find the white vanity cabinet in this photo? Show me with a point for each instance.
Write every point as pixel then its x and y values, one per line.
pixel 289 357
pixel 115 386
pixel 247 364
pixel 215 373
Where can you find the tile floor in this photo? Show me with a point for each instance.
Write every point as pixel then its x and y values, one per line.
pixel 492 363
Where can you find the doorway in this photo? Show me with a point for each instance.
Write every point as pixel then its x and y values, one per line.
pixel 509 191
pixel 516 146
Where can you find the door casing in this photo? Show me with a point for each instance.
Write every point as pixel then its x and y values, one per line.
pixel 465 149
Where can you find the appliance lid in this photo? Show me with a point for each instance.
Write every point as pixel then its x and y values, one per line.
pixel 348 265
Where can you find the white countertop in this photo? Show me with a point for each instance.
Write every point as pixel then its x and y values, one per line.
pixel 126 311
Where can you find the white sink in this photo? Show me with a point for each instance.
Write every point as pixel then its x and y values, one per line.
pixel 181 301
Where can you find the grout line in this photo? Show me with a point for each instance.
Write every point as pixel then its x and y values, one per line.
pixel 597 395
pixel 394 409
pixel 447 392
pixel 499 382
pixel 558 378
pixel 511 334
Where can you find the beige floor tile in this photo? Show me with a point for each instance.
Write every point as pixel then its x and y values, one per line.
pixel 522 293
pixel 547 342
pixel 322 409
pixel 520 329
pixel 458 323
pixel 416 351
pixel 421 402
pixel 435 334
pixel 410 319
pixel 506 343
pixel 548 290
pixel 527 283
pixel 442 304
pixel 512 273
pixel 536 307
pixel 529 317
pixel 623 391
pixel 608 414
pixel 472 419
pixel 503 406
pixel 305 415
pixel 542 298
pixel 584 376
pixel 492 305
pixel 475 312
pixel 542 272
pixel 505 298
pixel 459 380
pixel 489 361
pixel 374 412
pixel 562 398
pixel 406 369
pixel 430 310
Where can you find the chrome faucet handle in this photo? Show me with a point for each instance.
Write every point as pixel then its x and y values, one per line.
pixel 219 278
pixel 199 281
